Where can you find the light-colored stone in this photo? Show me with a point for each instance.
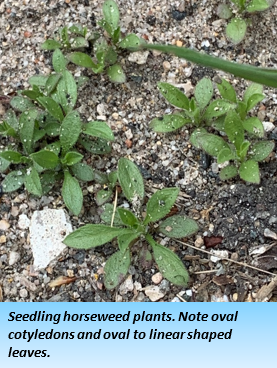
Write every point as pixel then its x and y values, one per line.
pixel 199 241
pixel 218 255
pixel 23 293
pixel 3 239
pixel 13 258
pixel 23 222
pixel 270 234
pixel 127 286
pixel 166 65
pixel 157 278
pixel 139 57
pixel 268 127
pixel 47 230
pixel 4 225
pixel 153 293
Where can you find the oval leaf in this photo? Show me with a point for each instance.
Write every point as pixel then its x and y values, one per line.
pixel 98 129
pixel 236 30
pixel 13 181
pixel 217 108
pixel 72 194
pixel 249 171
pixel 59 61
pixel 52 107
pixel 210 143
pixel 82 171
pixel 81 59
pixel 116 74
pixel 261 150
pixel 70 130
pixel 32 182
pixel 168 123
pixel 127 217
pixel 203 92
pixel 130 180
pixel 254 126
pixel 178 227
pixel 116 268
pixel 45 159
pixel 173 95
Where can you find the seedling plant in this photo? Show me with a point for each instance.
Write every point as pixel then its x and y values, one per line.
pixel 131 226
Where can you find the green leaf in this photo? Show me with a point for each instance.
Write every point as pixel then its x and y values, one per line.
pixel 64 37
pixel 203 92
pixel 53 129
pixel 236 30
pixel 21 103
pixel 72 158
pixel 67 91
pixel 126 240
pixel 70 130
pixel 112 177
pixel 127 217
pixel 90 236
pixel 242 110
pixel 79 42
pixel 98 129
pixel 234 129
pixel 224 155
pixel 72 194
pixel 227 91
pixel 51 83
pixel 194 137
pixel 13 181
pixel 97 146
pixel 252 89
pixel 170 265
pixel 116 74
pixel 102 196
pixel 82 171
pixel 228 172
pixel 11 156
pixel 178 227
pixel 50 45
pixel 52 107
pixel 160 204
pixel 38 80
pixel 54 147
pixel 27 125
pixel 32 182
pixel 218 123
pixel 81 59
pixel 111 14
pixel 249 171
pixel 11 119
pixel 254 100
pixel 33 95
pixel 257 5
pixel 131 40
pixel 59 61
pixel 168 123
pixel 223 11
pixel 261 150
pixel 4 164
pixel 212 144
pixel 173 95
pixel 107 214
pixel 243 150
pixel 130 180
pixel 254 126
pixel 116 268
pixel 47 180
pixel 45 159
pixel 217 108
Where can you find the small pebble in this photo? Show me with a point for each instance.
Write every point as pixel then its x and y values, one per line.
pixel 23 293
pixel 13 258
pixel 270 234
pixel 153 293
pixel 157 278
pixel 4 225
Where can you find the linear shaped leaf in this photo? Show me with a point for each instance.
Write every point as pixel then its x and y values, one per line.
pixel 261 150
pixel 203 92
pixel 173 95
pixel 50 45
pixel 170 265
pixel 228 172
pixel 13 181
pixel 98 129
pixel 130 179
pixel 168 123
pixel 160 204
pixel 11 156
pixel 116 268
pixel 90 236
pixel 82 171
pixel 127 217
pixel 26 132
pixel 70 130
pixel 111 14
pixel 45 159
pixel 236 30
pixel 116 74
pixel 72 194
pixel 234 129
pixel 227 91
pixel 254 126
pixel 21 103
pixel 51 83
pixel 178 227
pixel 81 59
pixel 59 61
pixel 32 182
pixel 212 144
pixel 67 91
pixel 249 171
pixel 217 108
pixel 52 107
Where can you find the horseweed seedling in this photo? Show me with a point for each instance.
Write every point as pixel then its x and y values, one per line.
pixel 128 227
pixel 105 51
pixel 236 28
pixel 46 133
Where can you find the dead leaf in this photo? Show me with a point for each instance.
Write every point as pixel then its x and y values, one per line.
pixel 264 294
pixel 223 280
pixel 62 280
pixel 206 213
pixel 212 241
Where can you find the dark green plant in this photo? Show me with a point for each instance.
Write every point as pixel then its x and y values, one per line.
pixel 44 137
pixel 237 26
pixel 105 50
pixel 128 227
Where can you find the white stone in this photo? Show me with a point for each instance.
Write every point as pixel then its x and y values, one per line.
pixel 268 127
pixel 157 278
pixel 23 222
pixel 138 57
pixel 126 286
pixel 13 258
pixel 270 234
pixel 218 255
pixel 153 293
pixel 48 229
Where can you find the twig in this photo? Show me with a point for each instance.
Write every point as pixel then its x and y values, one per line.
pixel 207 271
pixel 114 206
pixel 179 296
pixel 226 259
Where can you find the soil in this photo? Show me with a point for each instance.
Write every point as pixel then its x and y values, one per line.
pixel 237 220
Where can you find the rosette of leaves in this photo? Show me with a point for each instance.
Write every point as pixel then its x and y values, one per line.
pixel 128 227
pixel 237 26
pixel 104 51
pixel 47 128
pixel 240 155
pixel 198 111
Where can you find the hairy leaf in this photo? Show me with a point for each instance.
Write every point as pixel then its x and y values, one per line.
pixel 72 194
pixel 130 179
pixel 116 268
pixel 178 227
